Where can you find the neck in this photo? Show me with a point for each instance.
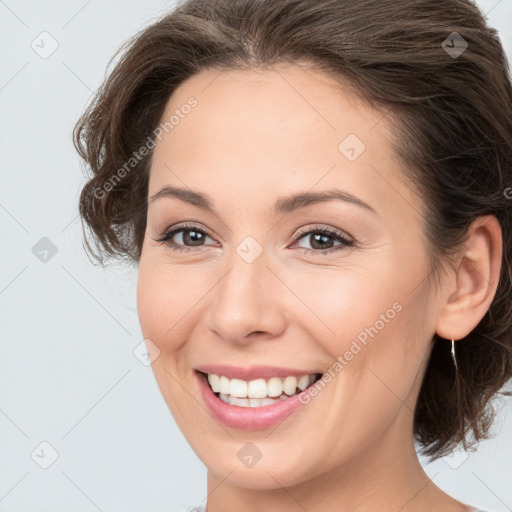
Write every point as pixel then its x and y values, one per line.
pixel 384 475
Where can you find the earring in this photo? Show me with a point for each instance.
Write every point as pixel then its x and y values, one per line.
pixel 453 355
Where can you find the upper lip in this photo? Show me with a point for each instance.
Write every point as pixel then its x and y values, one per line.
pixel 253 372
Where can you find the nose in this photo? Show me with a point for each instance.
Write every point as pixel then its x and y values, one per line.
pixel 247 303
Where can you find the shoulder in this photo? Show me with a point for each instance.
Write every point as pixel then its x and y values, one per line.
pixel 202 508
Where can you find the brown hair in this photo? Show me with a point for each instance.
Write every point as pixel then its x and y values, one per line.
pixel 453 133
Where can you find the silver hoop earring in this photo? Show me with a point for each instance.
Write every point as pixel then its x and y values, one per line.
pixel 453 355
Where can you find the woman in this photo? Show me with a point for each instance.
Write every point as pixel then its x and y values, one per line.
pixel 317 194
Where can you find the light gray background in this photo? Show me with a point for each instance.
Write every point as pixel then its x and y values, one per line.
pixel 68 375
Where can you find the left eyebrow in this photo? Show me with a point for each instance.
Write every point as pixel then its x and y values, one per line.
pixel 282 205
pixel 301 200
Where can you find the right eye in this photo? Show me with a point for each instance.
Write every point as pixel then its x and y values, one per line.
pixel 185 238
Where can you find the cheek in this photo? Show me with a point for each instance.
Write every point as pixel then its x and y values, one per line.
pixel 160 309
pixel 164 298
pixel 374 330
pixel 346 304
pixel 379 343
pixel 368 303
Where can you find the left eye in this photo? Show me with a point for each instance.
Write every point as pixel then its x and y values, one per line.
pixel 323 240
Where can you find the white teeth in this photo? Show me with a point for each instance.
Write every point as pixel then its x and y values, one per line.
pixel 257 388
pixel 248 402
pixel 303 382
pixel 290 385
pixel 275 386
pixel 257 392
pixel 214 381
pixel 259 402
pixel 238 388
pixel 224 385
pixel 241 402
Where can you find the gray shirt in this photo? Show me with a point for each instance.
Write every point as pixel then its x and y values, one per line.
pixel 202 508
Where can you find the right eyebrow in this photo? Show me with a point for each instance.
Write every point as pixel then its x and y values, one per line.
pixel 282 205
pixel 189 196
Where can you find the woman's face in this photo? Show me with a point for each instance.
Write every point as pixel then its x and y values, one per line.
pixel 246 287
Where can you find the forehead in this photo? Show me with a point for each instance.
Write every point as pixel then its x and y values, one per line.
pixel 284 128
pixel 283 104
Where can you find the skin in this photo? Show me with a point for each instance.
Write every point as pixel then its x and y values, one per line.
pixel 256 136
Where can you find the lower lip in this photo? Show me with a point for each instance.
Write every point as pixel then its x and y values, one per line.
pixel 247 418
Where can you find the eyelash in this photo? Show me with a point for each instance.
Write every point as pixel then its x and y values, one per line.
pixel 345 241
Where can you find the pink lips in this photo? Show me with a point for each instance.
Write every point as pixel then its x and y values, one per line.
pixel 248 418
pixel 255 372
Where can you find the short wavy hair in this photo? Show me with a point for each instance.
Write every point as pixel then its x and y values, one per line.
pixel 452 112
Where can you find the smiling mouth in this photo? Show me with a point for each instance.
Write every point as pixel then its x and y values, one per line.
pixel 258 392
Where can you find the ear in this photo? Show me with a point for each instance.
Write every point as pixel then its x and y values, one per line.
pixel 471 289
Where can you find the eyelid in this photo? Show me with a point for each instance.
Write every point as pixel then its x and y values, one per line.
pixel 323 228
pixel 169 232
pixel 345 239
